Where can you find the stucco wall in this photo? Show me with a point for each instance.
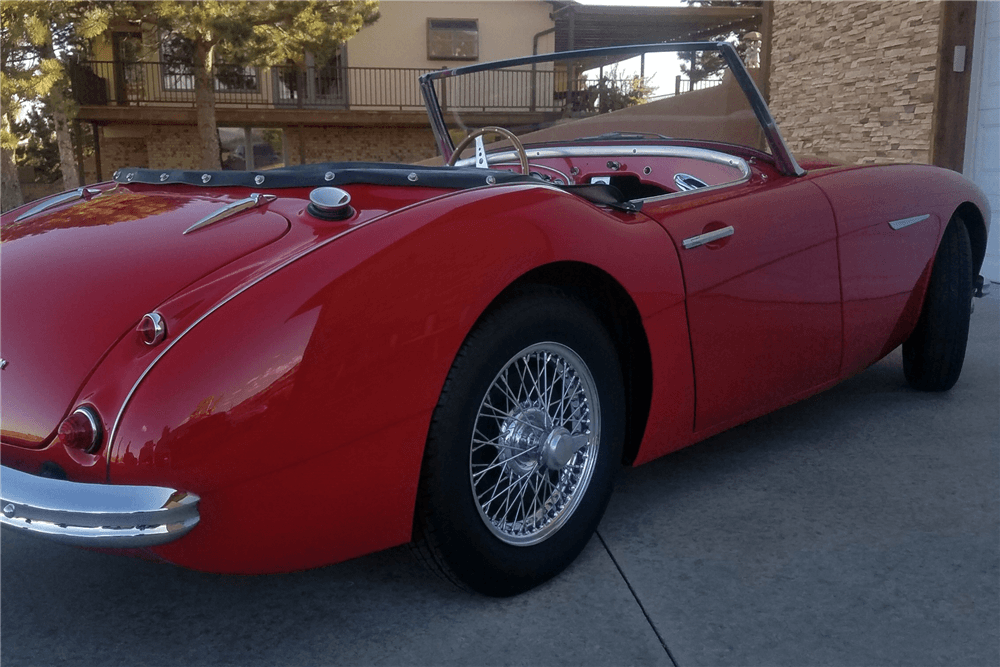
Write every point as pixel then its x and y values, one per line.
pixel 399 37
pixel 854 81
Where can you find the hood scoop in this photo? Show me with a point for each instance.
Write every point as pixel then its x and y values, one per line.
pixel 229 210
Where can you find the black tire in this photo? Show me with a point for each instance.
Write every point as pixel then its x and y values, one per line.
pixel 473 447
pixel 934 352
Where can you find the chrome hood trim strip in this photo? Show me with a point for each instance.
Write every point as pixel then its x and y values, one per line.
pixel 253 201
pixel 79 193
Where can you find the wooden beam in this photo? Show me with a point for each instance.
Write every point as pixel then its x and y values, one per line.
pixel 241 117
pixel 78 141
pixel 766 31
pixel 97 151
pixel 951 93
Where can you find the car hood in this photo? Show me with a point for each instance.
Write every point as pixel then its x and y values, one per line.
pixel 78 277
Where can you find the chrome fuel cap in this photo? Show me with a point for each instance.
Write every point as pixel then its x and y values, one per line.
pixel 329 203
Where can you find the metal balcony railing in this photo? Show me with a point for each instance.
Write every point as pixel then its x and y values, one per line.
pixel 165 84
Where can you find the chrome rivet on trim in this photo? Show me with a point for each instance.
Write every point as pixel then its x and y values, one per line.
pixel 164 177
pixel 205 178
pixel 258 179
pixel 118 172
pixel 491 180
pixel 9 511
pixel 412 177
pixel 647 170
pixel 130 177
pixel 329 176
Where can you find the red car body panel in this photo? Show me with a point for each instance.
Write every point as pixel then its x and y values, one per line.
pixel 884 271
pixel 55 353
pixel 320 370
pixel 295 388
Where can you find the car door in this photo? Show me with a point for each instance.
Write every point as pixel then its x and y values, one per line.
pixel 763 294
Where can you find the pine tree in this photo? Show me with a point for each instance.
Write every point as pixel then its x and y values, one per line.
pixel 703 64
pixel 38 40
pixel 250 33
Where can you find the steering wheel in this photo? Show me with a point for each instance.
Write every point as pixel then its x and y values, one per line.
pixel 491 129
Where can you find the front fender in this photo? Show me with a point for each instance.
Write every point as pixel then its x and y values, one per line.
pixel 298 409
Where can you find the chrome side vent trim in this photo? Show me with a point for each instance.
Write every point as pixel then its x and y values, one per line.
pixel 253 201
pixel 906 222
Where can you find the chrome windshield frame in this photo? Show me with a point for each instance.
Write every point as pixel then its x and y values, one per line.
pixel 784 161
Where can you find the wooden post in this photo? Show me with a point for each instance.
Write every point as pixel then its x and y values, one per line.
pixel 952 90
pixel 78 141
pixel 766 25
pixel 97 151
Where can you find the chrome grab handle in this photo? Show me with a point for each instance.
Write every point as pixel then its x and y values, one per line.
pixel 687 182
pixel 708 237
pixel 254 200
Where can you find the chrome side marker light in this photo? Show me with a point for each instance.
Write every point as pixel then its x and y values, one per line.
pixel 152 328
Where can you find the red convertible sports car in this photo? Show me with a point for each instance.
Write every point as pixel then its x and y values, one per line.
pixel 271 370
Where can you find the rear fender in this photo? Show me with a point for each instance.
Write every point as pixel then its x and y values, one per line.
pixel 884 267
pixel 298 410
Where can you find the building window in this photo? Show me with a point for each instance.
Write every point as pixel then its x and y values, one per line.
pixel 452 39
pixel 177 54
pixel 251 148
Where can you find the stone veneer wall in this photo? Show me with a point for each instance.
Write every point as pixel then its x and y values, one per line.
pixel 121 152
pixel 174 147
pixel 854 81
pixel 367 144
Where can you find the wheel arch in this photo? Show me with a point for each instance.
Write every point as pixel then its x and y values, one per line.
pixel 975 222
pixel 619 315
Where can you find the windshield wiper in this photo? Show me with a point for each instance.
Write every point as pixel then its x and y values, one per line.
pixel 622 135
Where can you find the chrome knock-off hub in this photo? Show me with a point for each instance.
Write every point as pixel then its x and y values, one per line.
pixel 521 436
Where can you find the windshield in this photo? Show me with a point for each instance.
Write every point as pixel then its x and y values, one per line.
pixel 623 93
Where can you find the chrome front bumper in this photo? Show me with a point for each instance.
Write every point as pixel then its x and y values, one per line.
pixel 94 515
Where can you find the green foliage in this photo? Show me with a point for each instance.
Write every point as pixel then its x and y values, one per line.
pixel 240 33
pixel 616 91
pixel 703 64
pixel 39 150
pixel 38 38
pixel 262 33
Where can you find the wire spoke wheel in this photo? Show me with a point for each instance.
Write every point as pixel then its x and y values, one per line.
pixel 534 444
pixel 523 445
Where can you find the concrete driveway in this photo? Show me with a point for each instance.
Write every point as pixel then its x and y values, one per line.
pixel 860 527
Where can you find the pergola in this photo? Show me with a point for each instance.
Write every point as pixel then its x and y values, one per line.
pixel 591 26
